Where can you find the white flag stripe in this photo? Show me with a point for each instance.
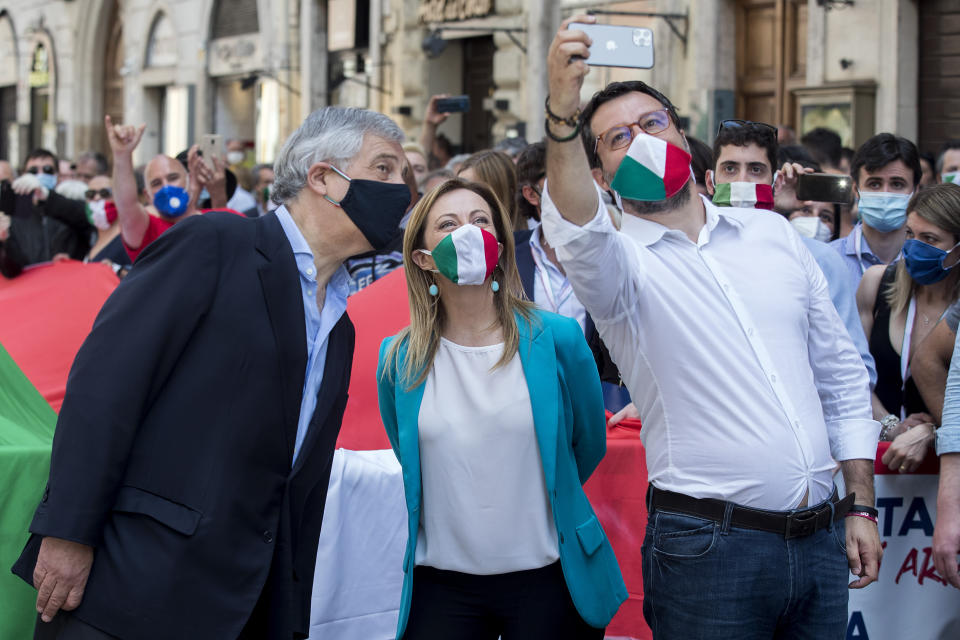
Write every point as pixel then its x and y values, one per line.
pixel 651 152
pixel 471 261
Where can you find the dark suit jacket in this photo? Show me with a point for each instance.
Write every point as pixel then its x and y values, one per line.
pixel 172 454
pixel 525 265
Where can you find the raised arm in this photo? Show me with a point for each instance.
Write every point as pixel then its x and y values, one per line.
pixel 431 120
pixel 134 219
pixel 568 171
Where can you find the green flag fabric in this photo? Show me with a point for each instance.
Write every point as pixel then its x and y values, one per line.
pixel 26 435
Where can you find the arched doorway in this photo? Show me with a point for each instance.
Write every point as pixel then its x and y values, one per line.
pixel 9 131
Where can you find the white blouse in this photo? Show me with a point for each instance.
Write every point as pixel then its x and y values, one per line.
pixel 485 508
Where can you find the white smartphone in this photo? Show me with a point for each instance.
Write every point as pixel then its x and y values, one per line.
pixel 618 45
pixel 211 146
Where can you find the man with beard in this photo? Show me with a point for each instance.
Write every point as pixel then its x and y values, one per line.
pixel 193 449
pixel 747 383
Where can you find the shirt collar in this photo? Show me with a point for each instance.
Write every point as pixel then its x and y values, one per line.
pixel 294 236
pixel 647 232
pixel 340 281
pixel 850 242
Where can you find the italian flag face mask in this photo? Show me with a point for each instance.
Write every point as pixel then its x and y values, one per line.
pixel 467 256
pixel 750 195
pixel 652 170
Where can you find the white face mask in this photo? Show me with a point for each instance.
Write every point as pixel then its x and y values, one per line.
pixel 951 177
pixel 812 227
pixel 235 157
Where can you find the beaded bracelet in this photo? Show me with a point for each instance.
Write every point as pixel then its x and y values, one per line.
pixel 861 514
pixel 570 121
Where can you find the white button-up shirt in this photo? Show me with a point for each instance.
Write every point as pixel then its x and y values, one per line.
pixel 551 289
pixel 743 374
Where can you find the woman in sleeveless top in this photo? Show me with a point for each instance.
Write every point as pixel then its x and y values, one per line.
pixel 899 305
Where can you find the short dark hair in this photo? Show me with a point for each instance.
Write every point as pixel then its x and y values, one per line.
pixel 611 92
pixel 744 135
pixel 799 154
pixel 103 165
pixel 43 153
pixel 946 146
pixel 881 150
pixel 824 145
pixel 531 166
pixel 701 158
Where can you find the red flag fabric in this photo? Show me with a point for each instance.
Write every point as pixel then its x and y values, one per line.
pixel 48 311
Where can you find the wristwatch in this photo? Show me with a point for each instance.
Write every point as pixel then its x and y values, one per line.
pixel 888 424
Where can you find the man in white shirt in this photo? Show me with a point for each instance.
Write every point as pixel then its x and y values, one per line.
pixel 745 379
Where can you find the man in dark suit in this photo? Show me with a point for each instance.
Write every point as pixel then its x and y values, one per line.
pixel 193 449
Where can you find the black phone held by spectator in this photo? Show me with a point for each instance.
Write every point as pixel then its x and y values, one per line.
pixel 618 45
pixel 453 104
pixel 14 205
pixel 825 187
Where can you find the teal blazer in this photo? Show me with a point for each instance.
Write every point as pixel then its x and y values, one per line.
pixel 568 417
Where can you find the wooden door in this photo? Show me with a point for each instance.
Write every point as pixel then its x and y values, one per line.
pixel 939 90
pixel 771 58
pixel 478 84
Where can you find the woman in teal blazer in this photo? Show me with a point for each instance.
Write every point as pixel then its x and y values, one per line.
pixel 495 412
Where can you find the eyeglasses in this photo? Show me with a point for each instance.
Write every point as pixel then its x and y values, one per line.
pixel 103 193
pixel 621 135
pixel 740 124
pixel 47 169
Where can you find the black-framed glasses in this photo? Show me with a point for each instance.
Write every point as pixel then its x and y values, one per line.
pixel 47 169
pixel 740 124
pixel 621 135
pixel 103 193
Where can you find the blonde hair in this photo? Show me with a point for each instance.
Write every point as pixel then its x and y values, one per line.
pixel 940 206
pixel 422 336
pixel 414 147
pixel 496 170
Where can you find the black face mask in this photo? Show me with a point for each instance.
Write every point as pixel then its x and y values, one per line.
pixel 376 208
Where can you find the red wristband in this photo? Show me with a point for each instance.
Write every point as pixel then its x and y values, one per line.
pixel 861 514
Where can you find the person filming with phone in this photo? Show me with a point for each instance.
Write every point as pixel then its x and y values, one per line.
pixel 748 386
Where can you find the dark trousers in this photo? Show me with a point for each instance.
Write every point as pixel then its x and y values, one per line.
pixel 522 605
pixel 66 626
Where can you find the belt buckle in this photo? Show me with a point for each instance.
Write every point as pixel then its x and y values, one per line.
pixel 801 524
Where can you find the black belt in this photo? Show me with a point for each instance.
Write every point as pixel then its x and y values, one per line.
pixel 789 524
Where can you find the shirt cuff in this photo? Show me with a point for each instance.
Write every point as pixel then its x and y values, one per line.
pixel 948 440
pixel 853 439
pixel 560 231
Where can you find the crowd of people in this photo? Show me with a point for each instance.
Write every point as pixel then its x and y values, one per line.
pixel 765 342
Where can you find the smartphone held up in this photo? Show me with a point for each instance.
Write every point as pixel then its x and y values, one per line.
pixel 618 45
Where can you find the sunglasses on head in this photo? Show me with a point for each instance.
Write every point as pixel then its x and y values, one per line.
pixel 103 193
pixel 740 124
pixel 47 169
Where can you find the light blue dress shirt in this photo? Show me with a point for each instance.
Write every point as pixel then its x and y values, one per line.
pixel 847 248
pixel 319 323
pixel 844 299
pixel 948 435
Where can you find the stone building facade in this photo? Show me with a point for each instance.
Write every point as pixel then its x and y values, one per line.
pixel 252 69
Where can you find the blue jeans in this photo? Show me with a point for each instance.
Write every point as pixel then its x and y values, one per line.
pixel 703 579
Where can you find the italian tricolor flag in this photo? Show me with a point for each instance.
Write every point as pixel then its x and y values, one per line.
pixel 653 169
pixel 743 194
pixel 467 256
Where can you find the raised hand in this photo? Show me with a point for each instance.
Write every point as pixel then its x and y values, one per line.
pixel 123 138
pixel 434 117
pixel 567 66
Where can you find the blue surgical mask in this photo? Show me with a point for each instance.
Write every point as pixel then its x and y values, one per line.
pixel 882 210
pixel 48 180
pixel 924 262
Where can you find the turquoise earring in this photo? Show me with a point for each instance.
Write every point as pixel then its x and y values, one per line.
pixel 434 290
pixel 495 286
